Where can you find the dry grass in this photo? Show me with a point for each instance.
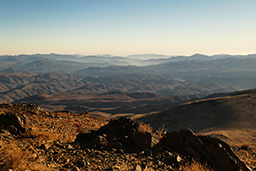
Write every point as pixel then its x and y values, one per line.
pixel 19 153
pixel 68 138
pixel 234 137
pixel 160 132
pixel 195 166
pixel 145 128
pixel 40 134
pixel 15 158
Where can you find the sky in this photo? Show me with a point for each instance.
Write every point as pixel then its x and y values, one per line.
pixel 125 27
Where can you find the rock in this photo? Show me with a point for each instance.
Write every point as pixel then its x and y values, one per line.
pixel 138 168
pixel 186 132
pixel 220 155
pixel 69 146
pixel 194 142
pixel 14 123
pixel 215 152
pixel 172 140
pixel 142 141
pixel 179 159
pixel 245 147
pixel 101 140
pixel 154 139
pixel 120 127
pixel 120 133
pixel 223 161
pixel 45 146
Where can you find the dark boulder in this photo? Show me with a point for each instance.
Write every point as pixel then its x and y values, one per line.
pixel 142 141
pixel 14 123
pixel 220 155
pixel 213 151
pixel 119 133
pixel 172 140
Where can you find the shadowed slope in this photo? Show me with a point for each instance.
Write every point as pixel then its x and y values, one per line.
pixel 227 117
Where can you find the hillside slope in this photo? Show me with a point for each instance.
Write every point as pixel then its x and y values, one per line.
pixel 231 118
pixel 31 139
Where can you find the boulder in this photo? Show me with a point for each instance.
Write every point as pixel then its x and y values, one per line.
pixel 119 133
pixel 172 140
pixel 142 141
pixel 213 151
pixel 220 155
pixel 14 123
pixel 191 139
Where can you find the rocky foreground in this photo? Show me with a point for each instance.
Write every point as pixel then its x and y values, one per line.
pixel 32 139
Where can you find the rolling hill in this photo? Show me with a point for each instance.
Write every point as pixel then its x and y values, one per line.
pixel 114 104
pixel 17 86
pixel 231 117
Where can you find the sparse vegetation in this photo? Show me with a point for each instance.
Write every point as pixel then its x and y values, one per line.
pixel 41 134
pixel 160 132
pixel 195 166
pixel 18 159
pixel 145 128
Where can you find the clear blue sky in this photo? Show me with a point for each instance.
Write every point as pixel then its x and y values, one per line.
pixel 123 27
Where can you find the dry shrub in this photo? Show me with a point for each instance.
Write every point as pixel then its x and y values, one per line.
pixel 160 132
pixel 68 139
pixel 195 166
pixel 145 128
pixel 41 134
pixel 15 158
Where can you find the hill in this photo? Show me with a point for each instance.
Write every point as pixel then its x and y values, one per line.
pixel 16 86
pixel 231 117
pixel 113 104
pixel 57 62
pixel 19 85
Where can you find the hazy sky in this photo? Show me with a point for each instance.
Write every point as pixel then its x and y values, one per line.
pixel 123 27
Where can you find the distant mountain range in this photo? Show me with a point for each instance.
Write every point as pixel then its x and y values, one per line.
pixel 19 85
pixel 185 76
pixel 75 63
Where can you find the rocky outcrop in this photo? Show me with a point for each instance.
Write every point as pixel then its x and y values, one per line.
pixel 213 151
pixel 220 155
pixel 14 123
pixel 122 133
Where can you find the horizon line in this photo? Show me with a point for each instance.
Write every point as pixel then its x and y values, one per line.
pixel 132 54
